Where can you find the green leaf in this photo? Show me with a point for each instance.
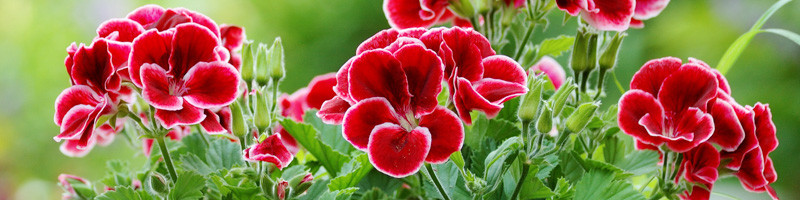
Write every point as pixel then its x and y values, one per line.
pixel 352 173
pixel 376 179
pixel 330 135
pixel 555 46
pixel 188 186
pixel 498 129
pixel 738 46
pixel 221 154
pixel 533 188
pixel 639 162
pixel 509 111
pixel 450 177
pixel 498 160
pixel 374 194
pixel 600 184
pixel 320 191
pixel 125 192
pixel 563 190
pixel 307 136
pixel 794 37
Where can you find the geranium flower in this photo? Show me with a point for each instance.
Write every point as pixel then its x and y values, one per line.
pixel 420 13
pixel 319 90
pixel 396 118
pixel 667 104
pixel 66 180
pixel 217 121
pixel 155 17
pixel 181 73
pixel 270 150
pixel 604 15
pixel 699 166
pixel 552 69
pixel 751 159
pixel 646 9
pixel 232 39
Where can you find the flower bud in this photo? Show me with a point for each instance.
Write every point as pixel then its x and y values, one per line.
pixel 276 58
pixel 262 115
pixel 262 64
pixel 591 62
pixel 609 58
pixel 561 96
pixel 267 185
pixel 301 183
pixel 248 63
pixel 462 8
pixel 545 122
pixel 580 50
pixel 281 189
pixel 157 184
pixel 529 103
pixel 237 120
pixel 478 185
pixel 581 116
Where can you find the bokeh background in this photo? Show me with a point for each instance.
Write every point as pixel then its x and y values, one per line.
pixel 320 35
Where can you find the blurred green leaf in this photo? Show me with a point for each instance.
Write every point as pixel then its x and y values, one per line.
pixel 738 46
pixel 554 46
pixel 125 192
pixel 599 184
pixel 785 33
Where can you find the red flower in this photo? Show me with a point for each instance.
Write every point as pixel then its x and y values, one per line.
pixel 667 104
pixel 698 193
pixel 646 9
pixel 396 117
pixel 552 69
pixel 232 39
pixel 156 17
pixel 414 13
pixel 319 90
pixel 66 180
pixel 181 73
pixel 270 150
pixel 604 15
pixel 751 159
pixel 699 166
pixel 217 121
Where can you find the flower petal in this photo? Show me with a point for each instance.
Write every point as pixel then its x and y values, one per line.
pixel 287 139
pixel 447 134
pixel 552 69
pixel 146 14
pixel 377 73
pixel 188 115
pixel 321 90
pixel 93 67
pixel 612 15
pixel 232 36
pixel 342 88
pixel 424 73
pixel 332 111
pixel 210 85
pixel 361 119
pixel 650 77
pixel 751 174
pixel 74 96
pixel 398 153
pixel 72 148
pixel 498 91
pixel 503 68
pixel 646 9
pixel 192 44
pixel 270 150
pixel 151 47
pixel 690 86
pixel 466 99
pixel 380 40
pixel 156 88
pixel 747 120
pixel 728 132
pixel 126 29
pixel 212 123
pixel 413 13
pixel 464 52
pixel 692 128
pixel 295 105
pixel 573 7
pixel 765 128
pixel 636 106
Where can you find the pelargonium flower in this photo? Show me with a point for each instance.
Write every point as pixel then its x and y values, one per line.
pixel 751 161
pixel 420 13
pixel 646 9
pixel 181 72
pixel 667 104
pixel 66 181
pixel 552 69
pixel 232 38
pixel 270 150
pixel 396 118
pixel 699 166
pixel 155 17
pixel 604 15
pixel 217 121
pixel 319 90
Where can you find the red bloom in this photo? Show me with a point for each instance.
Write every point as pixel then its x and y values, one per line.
pixel 700 166
pixel 646 9
pixel 414 13
pixel 396 117
pixel 604 15
pixel 270 150
pixel 232 39
pixel 156 17
pixel 751 159
pixel 181 73
pixel 217 121
pixel 319 90
pixel 66 180
pixel 698 193
pixel 667 104
pixel 552 69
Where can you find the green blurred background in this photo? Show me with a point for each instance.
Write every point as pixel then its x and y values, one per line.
pixel 320 35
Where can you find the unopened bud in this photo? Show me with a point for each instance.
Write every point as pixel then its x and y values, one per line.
pixel 609 58
pixel 262 115
pixel 237 120
pixel 276 60
pixel 529 103
pixel 545 122
pixel 462 8
pixel 248 62
pixel 559 99
pixel 581 116
pixel 300 178
pixel 157 184
pixel 262 64
pixel 281 189
pixel 591 62
pixel 580 50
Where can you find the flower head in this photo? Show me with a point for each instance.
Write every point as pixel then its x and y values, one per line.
pixel 552 69
pixel 270 150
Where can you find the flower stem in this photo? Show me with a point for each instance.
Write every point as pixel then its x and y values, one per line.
pixel 524 41
pixel 521 181
pixel 436 181
pixel 167 159
pixel 202 135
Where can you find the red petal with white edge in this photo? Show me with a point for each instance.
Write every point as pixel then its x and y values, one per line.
pixel 210 85
pixel 467 99
pixel 105 133
pixel 126 29
pixel 232 36
pixel 552 69
pixel 192 44
pixel 294 105
pixel 151 47
pixel 380 40
pixel 147 146
pixel 396 152
pixel 170 19
pixel 636 23
pixel 72 148
pixel 333 110
pixel 433 38
pixel 765 128
pixel 503 68
pixel 728 132
pixel 120 52
pixel 377 73
pixel 447 134
pixel 212 123
pixel 751 174
pixel 146 14
pixel 188 115
pixel 692 128
pixel 698 193
pixel 201 19
pixel 413 13
pixel 270 150
pixel 701 164
pixel 723 83
pixel 342 88
pixel 464 52
pixel 287 139
pixel 76 122
pixel 73 96
pixel 361 119
pixel 690 86
pixel 652 74
pixel 636 105
pixel 747 120
pixel 646 9
pixel 612 15
pixel 498 91
pixel 69 60
pixel 402 42
pixel 321 90
pixel 412 32
pixel 157 88
pixel 93 67
pixel 424 73
pixel 573 7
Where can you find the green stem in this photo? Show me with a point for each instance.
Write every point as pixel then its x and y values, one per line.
pixel 619 86
pixel 436 181
pixel 202 135
pixel 525 129
pixel 521 181
pixel 167 159
pixel 601 76
pixel 524 41
pixel 656 196
pixel 243 144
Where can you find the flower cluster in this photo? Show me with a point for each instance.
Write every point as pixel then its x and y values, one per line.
pixel 613 15
pixel 183 63
pixel 685 108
